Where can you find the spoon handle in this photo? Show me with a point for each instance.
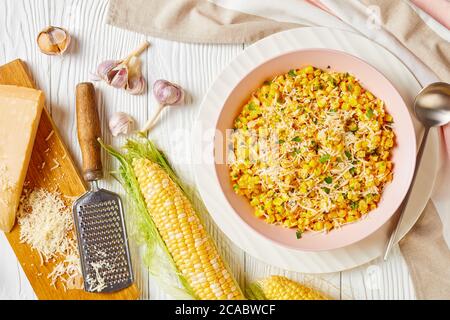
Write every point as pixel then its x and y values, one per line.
pixel 408 194
pixel 446 131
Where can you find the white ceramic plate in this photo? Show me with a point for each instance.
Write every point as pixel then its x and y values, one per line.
pixel 208 184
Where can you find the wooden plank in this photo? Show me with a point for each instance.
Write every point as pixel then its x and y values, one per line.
pixel 64 179
pixel 386 280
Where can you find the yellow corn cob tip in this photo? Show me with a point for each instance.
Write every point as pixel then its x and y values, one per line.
pixel 282 288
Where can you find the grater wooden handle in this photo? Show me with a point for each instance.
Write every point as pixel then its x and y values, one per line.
pixel 88 127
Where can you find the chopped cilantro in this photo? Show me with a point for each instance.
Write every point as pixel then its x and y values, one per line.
pixel 324 158
pixel 369 113
pixel 297 139
pixel 354 205
pixel 348 154
pixel 328 180
pixel 327 190
pixel 280 141
pixel 298 234
pixel 292 73
pixel 251 106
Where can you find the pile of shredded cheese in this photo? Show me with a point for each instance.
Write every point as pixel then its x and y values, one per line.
pixel 46 224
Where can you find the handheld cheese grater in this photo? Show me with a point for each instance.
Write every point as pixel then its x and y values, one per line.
pixel 98 214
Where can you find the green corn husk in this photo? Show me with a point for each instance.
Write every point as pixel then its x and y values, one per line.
pixel 255 292
pixel 141 227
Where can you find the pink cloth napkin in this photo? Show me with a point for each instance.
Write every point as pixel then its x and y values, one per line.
pixel 438 9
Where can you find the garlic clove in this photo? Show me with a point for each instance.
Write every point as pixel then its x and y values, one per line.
pixel 118 77
pixel 125 73
pixel 53 40
pixel 120 123
pixel 136 85
pixel 167 93
pixel 105 68
pixel 134 67
pixel 46 45
pixel 58 35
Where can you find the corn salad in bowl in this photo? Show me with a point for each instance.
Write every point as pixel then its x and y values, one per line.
pixel 311 150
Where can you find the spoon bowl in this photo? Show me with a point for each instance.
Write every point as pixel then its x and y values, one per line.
pixel 432 104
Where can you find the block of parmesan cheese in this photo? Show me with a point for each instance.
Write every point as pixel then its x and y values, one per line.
pixel 20 111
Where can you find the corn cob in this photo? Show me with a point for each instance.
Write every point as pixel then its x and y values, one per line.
pixel 282 288
pixel 192 250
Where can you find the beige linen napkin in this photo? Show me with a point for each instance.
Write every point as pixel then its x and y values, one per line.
pixel 428 257
pixel 424 248
pixel 404 23
pixel 190 21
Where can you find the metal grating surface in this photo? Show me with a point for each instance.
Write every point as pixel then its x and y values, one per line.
pixel 102 241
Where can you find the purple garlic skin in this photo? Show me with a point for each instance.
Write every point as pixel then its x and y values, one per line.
pixel 125 74
pixel 118 77
pixel 167 93
pixel 136 85
pixel 105 68
pixel 120 123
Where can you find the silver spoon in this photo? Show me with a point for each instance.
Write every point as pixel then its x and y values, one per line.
pixel 432 108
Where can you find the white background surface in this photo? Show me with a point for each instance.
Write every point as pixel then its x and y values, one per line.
pixel 194 66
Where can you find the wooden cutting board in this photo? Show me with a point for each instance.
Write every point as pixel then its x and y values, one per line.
pixel 49 149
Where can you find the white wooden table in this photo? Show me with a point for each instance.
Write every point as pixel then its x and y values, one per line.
pixel 194 66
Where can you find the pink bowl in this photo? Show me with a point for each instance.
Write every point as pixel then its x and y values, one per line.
pixel 404 153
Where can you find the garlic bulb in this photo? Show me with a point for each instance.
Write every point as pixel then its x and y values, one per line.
pixel 124 74
pixel 53 40
pixel 166 93
pixel 120 123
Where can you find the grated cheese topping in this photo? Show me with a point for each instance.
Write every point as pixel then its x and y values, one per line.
pixel 46 225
